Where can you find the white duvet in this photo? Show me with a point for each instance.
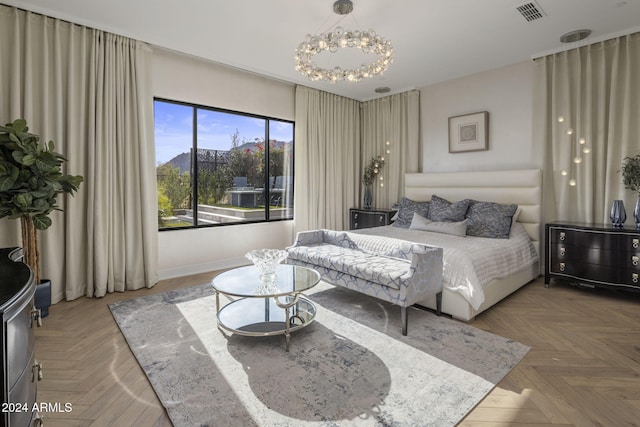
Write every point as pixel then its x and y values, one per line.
pixel 469 263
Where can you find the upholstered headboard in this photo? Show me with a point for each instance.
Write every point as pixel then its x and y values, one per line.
pixel 522 187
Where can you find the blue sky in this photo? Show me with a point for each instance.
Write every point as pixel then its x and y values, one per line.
pixel 174 124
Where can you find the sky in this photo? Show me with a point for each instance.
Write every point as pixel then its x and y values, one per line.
pixel 174 125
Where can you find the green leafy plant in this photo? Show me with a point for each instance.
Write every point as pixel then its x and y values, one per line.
pixel 372 170
pixel 31 179
pixel 631 173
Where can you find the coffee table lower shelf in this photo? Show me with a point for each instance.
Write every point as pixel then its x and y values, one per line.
pixel 260 317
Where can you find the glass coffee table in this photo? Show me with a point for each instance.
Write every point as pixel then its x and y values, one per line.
pixel 264 309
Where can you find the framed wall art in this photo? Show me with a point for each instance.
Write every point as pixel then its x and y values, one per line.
pixel 469 132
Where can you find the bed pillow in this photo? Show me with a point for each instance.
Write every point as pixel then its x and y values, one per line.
pixel 442 210
pixel 487 219
pixel 407 208
pixel 455 228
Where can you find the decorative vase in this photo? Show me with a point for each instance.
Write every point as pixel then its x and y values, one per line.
pixel 367 197
pixel 636 212
pixel 266 261
pixel 618 215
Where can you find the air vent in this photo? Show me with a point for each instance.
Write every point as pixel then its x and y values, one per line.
pixel 530 11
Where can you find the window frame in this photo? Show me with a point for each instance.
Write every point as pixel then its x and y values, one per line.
pixel 194 164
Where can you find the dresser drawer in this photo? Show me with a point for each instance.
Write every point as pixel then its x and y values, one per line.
pixel 20 339
pixel 630 242
pixel 363 218
pixel 629 277
pixel 585 239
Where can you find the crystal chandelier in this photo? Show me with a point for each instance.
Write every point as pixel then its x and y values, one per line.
pixel 367 41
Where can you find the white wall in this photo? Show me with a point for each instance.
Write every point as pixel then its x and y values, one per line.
pixel 182 78
pixel 506 93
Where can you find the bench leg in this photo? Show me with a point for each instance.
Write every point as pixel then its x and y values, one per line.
pixel 439 303
pixel 404 319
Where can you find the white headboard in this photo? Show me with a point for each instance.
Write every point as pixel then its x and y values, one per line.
pixel 522 187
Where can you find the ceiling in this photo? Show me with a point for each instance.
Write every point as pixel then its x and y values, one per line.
pixel 434 40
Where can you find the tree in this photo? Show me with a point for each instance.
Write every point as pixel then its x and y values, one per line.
pixel 175 186
pixel 31 179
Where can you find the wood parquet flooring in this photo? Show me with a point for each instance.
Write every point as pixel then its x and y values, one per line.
pixel 583 369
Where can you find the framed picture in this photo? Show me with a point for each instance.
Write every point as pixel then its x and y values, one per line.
pixel 469 132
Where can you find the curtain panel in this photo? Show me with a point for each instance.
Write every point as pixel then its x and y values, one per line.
pixel 596 91
pixel 390 129
pixel 327 159
pixel 88 91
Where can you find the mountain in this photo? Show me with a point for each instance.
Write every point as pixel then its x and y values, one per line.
pixel 182 162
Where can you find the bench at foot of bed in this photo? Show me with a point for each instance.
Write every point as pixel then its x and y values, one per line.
pixel 404 275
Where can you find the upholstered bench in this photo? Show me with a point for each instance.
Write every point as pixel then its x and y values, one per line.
pixel 402 275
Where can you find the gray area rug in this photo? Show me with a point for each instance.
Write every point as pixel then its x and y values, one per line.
pixel 350 367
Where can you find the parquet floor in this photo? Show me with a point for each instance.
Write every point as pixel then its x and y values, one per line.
pixel 583 369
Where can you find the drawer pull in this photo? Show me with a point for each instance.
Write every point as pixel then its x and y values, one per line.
pixel 355 216
pixel 36 371
pixel 355 224
pixel 38 421
pixel 634 260
pixel 634 277
pixel 381 218
pixel 635 243
pixel 562 235
pixel 562 265
pixel 562 251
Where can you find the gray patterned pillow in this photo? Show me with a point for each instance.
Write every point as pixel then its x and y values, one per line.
pixel 443 210
pixel 487 219
pixel 406 210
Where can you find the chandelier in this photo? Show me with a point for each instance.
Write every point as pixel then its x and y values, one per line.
pixel 331 41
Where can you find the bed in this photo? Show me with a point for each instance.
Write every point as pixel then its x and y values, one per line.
pixel 487 283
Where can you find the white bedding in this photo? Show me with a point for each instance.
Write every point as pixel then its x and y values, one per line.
pixel 469 262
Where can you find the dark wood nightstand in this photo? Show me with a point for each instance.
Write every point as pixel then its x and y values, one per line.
pixel 367 218
pixel 591 254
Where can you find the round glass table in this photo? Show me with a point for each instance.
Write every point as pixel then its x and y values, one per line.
pixel 265 308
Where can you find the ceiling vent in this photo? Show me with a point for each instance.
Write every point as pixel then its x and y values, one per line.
pixel 530 11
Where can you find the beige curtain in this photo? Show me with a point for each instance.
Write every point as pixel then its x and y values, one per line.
pixel 596 89
pixel 88 91
pixel 327 159
pixel 390 128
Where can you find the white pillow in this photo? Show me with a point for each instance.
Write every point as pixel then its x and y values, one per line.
pixel 418 222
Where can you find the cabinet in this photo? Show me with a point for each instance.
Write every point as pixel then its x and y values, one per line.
pixel 593 254
pixel 367 218
pixel 20 370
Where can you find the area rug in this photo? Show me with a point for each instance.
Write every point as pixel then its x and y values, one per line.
pixel 350 367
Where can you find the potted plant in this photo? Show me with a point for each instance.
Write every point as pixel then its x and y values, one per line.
pixel 31 179
pixel 631 179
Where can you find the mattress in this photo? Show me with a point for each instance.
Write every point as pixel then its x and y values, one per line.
pixel 469 263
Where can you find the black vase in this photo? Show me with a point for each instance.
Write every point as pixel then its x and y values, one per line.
pixel 618 215
pixel 367 197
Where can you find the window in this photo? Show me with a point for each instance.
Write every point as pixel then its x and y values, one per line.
pixel 218 167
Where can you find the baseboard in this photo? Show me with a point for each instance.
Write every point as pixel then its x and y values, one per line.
pixel 187 270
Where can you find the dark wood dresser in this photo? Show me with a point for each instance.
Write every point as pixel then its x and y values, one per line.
pixel 592 254
pixel 20 370
pixel 367 218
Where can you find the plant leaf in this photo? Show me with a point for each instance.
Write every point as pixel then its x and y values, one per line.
pixel 19 125
pixel 7 181
pixel 23 200
pixel 28 160
pixel 18 156
pixel 41 222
